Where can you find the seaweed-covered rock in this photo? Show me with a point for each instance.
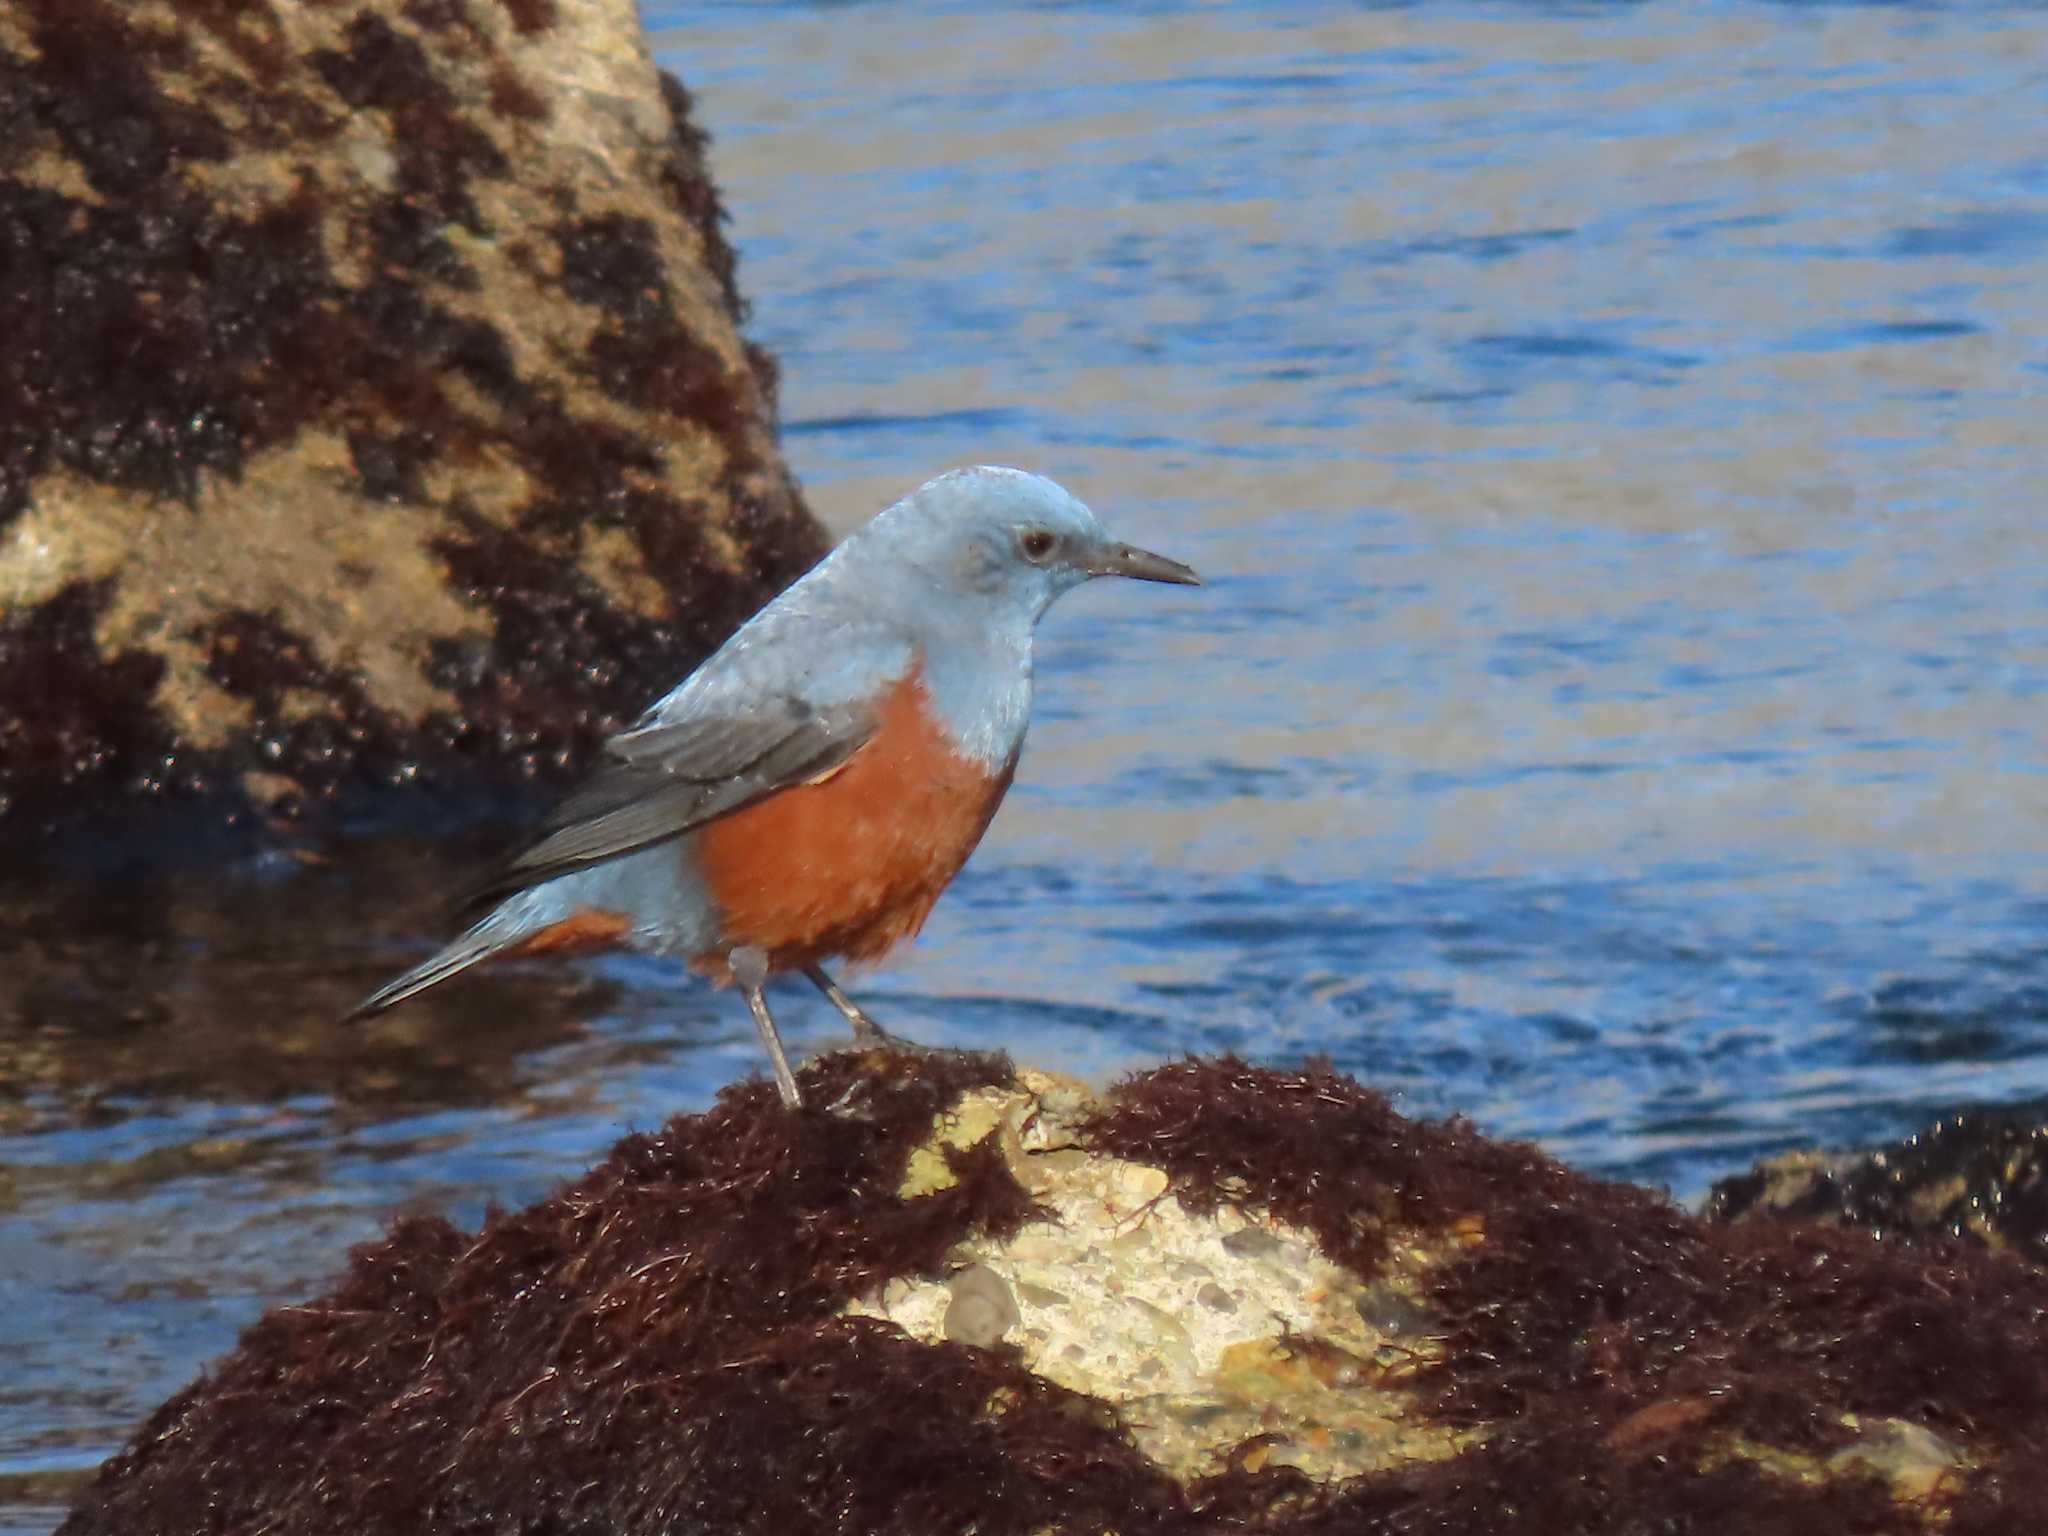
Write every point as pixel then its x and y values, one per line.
pixel 1979 1176
pixel 1221 1298
pixel 374 413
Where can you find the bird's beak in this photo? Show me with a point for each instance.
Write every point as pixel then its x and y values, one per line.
pixel 1123 560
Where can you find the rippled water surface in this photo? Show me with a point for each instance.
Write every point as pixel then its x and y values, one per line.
pixel 1614 440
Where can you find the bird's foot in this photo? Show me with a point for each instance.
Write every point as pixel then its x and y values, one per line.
pixel 867 1034
pixel 870 1036
pixel 877 1039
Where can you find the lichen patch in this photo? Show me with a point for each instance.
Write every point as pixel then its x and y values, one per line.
pixel 617 564
pixel 59 173
pixel 229 553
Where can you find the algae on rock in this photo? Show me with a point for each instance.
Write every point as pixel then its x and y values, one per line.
pixel 376 411
pixel 1220 1297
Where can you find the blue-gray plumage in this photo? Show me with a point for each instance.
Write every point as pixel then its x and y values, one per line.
pixel 810 789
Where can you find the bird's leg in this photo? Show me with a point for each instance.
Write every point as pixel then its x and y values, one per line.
pixel 750 969
pixel 865 1029
pixel 866 1032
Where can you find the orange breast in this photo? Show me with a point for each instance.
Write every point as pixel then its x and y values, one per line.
pixel 850 865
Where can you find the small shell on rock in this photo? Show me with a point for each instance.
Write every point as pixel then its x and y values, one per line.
pixel 981 1310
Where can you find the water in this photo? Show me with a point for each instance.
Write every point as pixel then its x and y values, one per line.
pixel 1613 437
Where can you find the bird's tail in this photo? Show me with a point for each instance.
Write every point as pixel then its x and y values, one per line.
pixel 487 938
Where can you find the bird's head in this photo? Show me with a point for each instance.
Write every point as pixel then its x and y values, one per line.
pixel 1012 541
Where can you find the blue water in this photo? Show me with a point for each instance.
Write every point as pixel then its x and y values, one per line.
pixel 1613 441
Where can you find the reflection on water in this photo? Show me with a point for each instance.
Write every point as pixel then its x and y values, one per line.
pixel 1613 441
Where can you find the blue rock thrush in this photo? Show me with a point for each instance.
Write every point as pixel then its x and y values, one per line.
pixel 809 790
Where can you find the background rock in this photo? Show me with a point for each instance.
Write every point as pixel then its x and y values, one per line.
pixel 1979 1176
pixel 1220 1298
pixel 373 414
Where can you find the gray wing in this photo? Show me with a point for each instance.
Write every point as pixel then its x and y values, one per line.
pixel 732 734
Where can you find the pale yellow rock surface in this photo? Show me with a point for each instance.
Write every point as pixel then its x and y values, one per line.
pixel 1217 1336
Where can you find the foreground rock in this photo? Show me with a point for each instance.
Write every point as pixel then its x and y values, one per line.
pixel 373 409
pixel 1221 1298
pixel 1979 1176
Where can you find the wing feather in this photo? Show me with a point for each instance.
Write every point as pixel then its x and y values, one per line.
pixel 718 744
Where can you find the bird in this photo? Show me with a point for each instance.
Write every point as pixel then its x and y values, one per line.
pixel 809 790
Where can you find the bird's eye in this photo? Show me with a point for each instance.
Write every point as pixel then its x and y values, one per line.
pixel 1037 543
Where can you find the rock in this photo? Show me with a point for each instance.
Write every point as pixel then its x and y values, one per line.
pixel 1978 1176
pixel 375 424
pixel 757 1320
pixel 1917 1462
pixel 1202 1331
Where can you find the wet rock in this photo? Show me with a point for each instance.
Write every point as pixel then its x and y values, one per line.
pixel 1978 1176
pixel 754 1320
pixel 375 423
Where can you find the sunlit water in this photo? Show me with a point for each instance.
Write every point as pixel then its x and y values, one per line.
pixel 1614 440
